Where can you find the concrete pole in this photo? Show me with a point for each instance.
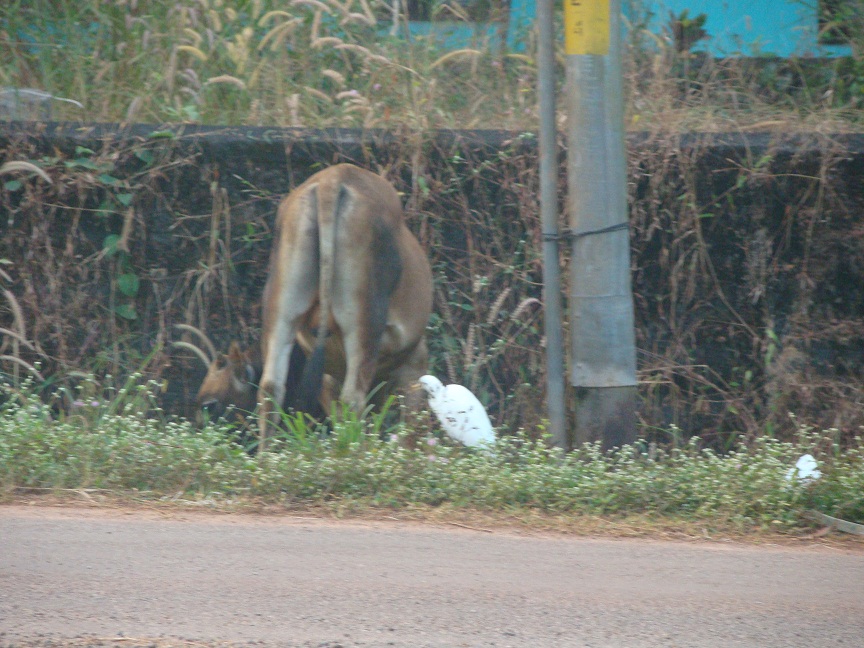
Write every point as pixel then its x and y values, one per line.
pixel 554 328
pixel 603 347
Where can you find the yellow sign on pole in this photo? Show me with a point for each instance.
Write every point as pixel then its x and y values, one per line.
pixel 586 26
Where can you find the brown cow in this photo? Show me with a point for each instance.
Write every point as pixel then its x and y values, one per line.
pixel 342 248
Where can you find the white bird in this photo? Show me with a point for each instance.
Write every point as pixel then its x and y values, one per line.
pixel 806 469
pixel 460 413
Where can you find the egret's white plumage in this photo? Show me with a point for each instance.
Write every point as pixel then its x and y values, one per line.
pixel 460 413
pixel 806 469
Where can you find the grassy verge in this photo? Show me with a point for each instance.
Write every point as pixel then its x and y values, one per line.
pixel 117 450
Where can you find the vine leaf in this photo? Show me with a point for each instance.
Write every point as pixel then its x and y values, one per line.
pixel 128 284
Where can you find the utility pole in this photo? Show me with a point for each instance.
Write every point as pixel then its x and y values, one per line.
pixel 603 348
pixel 552 308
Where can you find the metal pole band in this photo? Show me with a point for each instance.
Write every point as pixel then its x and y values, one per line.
pixel 569 235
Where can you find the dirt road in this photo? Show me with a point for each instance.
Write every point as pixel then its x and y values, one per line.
pixel 129 578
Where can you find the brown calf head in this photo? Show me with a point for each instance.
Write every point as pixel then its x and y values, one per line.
pixel 231 380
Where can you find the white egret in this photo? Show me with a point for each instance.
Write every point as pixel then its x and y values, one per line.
pixel 806 469
pixel 460 413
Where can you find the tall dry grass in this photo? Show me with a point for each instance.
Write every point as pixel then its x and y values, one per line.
pixel 322 63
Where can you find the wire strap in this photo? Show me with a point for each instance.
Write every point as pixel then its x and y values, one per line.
pixel 570 235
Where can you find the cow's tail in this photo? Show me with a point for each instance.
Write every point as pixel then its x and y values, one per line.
pixel 331 197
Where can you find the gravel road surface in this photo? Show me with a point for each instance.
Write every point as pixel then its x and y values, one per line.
pixel 124 578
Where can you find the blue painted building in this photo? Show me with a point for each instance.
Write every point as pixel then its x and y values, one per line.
pixel 746 27
pixel 735 27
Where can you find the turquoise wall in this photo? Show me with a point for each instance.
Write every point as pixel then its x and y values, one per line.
pixel 736 27
pixel 748 27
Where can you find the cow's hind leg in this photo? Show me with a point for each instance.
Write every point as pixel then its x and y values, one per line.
pixel 362 331
pixel 360 306
pixel 271 392
pixel 361 353
pixel 290 292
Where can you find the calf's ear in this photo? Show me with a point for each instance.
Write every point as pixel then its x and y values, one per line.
pixel 235 353
pixel 240 364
